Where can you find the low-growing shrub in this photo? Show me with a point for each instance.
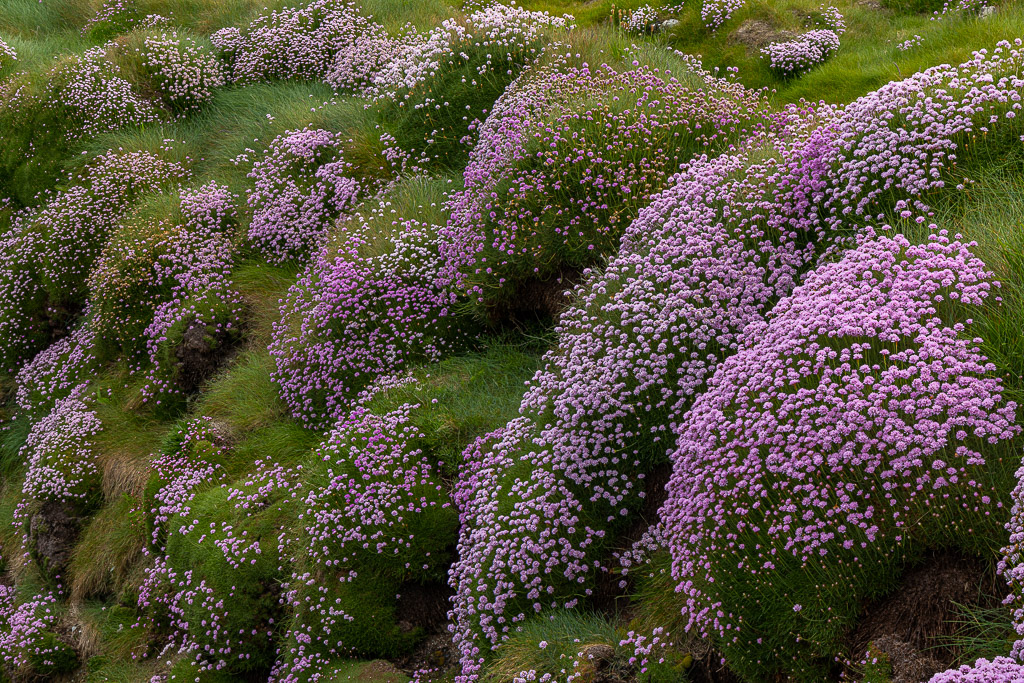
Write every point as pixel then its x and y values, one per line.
pixel 377 525
pixel 367 305
pixel 792 57
pixel 567 159
pixel 859 423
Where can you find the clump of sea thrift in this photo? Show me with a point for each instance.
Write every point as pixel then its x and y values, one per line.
pixel 293 42
pixel 180 69
pixel 376 521
pixel 216 571
pixel 543 500
pixel 54 373
pixel 368 305
pixel 793 57
pixel 50 249
pixel 301 184
pixel 860 418
pixel 642 20
pixel 60 456
pixel 201 318
pixel 709 257
pixel 998 670
pixel 8 55
pixel 717 12
pixel 29 647
pixel 566 160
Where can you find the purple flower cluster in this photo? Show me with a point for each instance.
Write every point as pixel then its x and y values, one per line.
pixel 999 670
pixel 93 97
pixel 8 55
pixel 54 373
pixel 361 311
pixel 792 57
pixel 293 42
pixel 181 70
pixel 60 452
pixel 542 497
pixel 498 29
pixel 206 603
pixel 566 160
pixel 376 515
pixel 300 186
pixel 642 19
pixel 28 647
pixel 857 413
pixel 202 300
pixel 49 250
pixel 910 43
pixel 714 13
pixel 829 17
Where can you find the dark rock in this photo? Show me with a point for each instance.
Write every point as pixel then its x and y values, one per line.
pixel 52 531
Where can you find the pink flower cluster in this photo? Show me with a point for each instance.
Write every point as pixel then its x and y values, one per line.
pixel 300 186
pixel 54 373
pixel 197 266
pixel 642 19
pixel 566 160
pixel 93 96
pixel 541 498
pixel 181 70
pixel 376 515
pixel 60 452
pixel 999 670
pixel 717 12
pixel 829 18
pixel 8 55
pixel 359 312
pixel 28 645
pixel 792 57
pixel 498 29
pixel 294 42
pixel 854 415
pixel 50 249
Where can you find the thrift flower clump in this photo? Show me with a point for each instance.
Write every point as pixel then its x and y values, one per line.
pixel 566 160
pixel 367 306
pixel 852 421
pixel 301 184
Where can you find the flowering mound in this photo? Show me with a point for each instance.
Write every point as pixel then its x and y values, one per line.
pixel 366 306
pixel 8 55
pixel 432 93
pixel 202 318
pixel 852 424
pixel 49 251
pixel 300 187
pixel 29 647
pixel 182 70
pixel 543 499
pixel 159 278
pixel 54 373
pixel 792 57
pixel 999 670
pixel 567 159
pixel 293 42
pixel 43 114
pixel 215 584
pixel 377 526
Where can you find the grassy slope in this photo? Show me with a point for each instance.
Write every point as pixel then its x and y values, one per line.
pixel 108 558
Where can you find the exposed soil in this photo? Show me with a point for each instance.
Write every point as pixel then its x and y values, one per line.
pixel 53 531
pixel 912 625
pixel 201 353
pixel 538 299
pixel 756 34
pixel 426 606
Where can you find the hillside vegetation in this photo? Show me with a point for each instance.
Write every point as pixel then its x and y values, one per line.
pixel 393 340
